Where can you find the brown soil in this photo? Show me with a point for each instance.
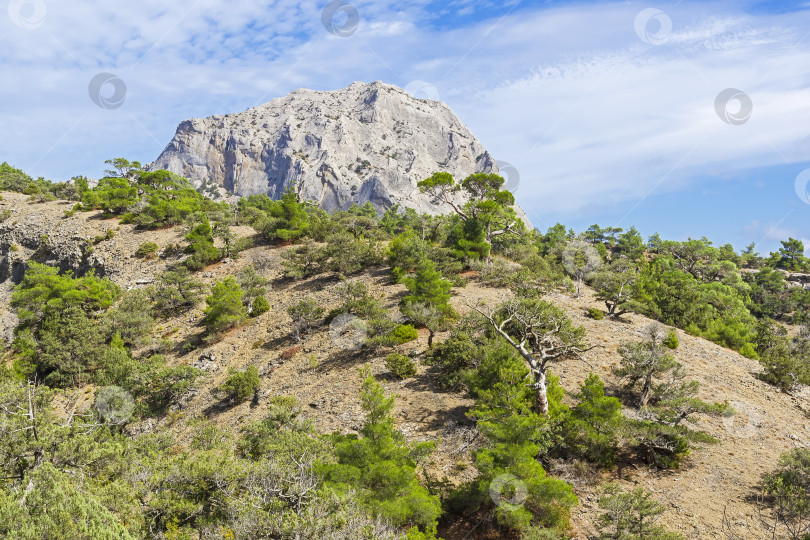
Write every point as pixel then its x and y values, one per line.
pixel 714 481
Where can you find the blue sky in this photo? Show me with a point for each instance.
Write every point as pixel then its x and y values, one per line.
pixel 606 109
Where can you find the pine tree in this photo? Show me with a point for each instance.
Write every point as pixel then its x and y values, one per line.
pixel 225 306
pixel 428 286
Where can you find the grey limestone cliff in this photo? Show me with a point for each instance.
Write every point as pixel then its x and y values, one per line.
pixel 367 142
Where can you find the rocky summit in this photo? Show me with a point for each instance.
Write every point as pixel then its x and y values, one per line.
pixel 367 142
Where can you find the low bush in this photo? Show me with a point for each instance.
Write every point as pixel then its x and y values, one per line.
pixel 240 385
pixel 260 305
pixel 671 340
pixel 404 333
pixel 400 365
pixel 146 250
pixel 595 313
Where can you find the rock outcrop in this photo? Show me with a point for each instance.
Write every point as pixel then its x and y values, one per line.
pixel 367 142
pixel 47 241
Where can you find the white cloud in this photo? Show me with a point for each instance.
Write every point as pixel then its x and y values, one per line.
pixel 588 113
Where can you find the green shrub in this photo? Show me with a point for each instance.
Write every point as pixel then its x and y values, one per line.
pixel 631 515
pixel 404 333
pixel 400 365
pixel 591 429
pixel 146 250
pixel 787 493
pixel 305 315
pixel 671 340
pixel 201 247
pixel 749 351
pixel 225 308
pixel 260 305
pixel 379 468
pixel 241 385
pixel 595 313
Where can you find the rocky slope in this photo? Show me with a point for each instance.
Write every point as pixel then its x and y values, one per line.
pixel 715 483
pixel 367 142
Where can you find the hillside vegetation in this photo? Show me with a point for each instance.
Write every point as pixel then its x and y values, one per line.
pixel 264 369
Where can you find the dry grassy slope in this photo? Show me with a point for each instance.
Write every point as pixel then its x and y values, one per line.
pixel 712 479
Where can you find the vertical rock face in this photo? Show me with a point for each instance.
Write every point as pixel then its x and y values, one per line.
pixel 367 142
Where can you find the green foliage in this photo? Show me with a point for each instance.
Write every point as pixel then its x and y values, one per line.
pixel 241 385
pixel 593 428
pixel 786 361
pixel 452 358
pixel 714 309
pixel 43 291
pixel 12 179
pixel 305 314
pixel 769 294
pixel 400 365
pixel 170 200
pixel 595 313
pixel 404 333
pixel 260 305
pixel 114 195
pixel 304 261
pixel 790 256
pixel 665 398
pixel 380 466
pixel 350 255
pixel 427 315
pixel 468 240
pixel 254 286
pixel 358 301
pixel 428 286
pixel 59 337
pixel 616 286
pixel 131 319
pixel 788 492
pixel 631 515
pixel 285 220
pixel 52 508
pixel 201 246
pixel 631 244
pixel 225 308
pixel 156 385
pixel 176 292
pixel 71 348
pixel 515 435
pixel 77 480
pixel 671 340
pixel 404 253
pixel 487 214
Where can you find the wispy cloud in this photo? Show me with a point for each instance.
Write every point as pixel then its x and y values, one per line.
pixel 591 115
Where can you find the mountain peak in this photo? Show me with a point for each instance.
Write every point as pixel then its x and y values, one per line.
pixel 365 142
